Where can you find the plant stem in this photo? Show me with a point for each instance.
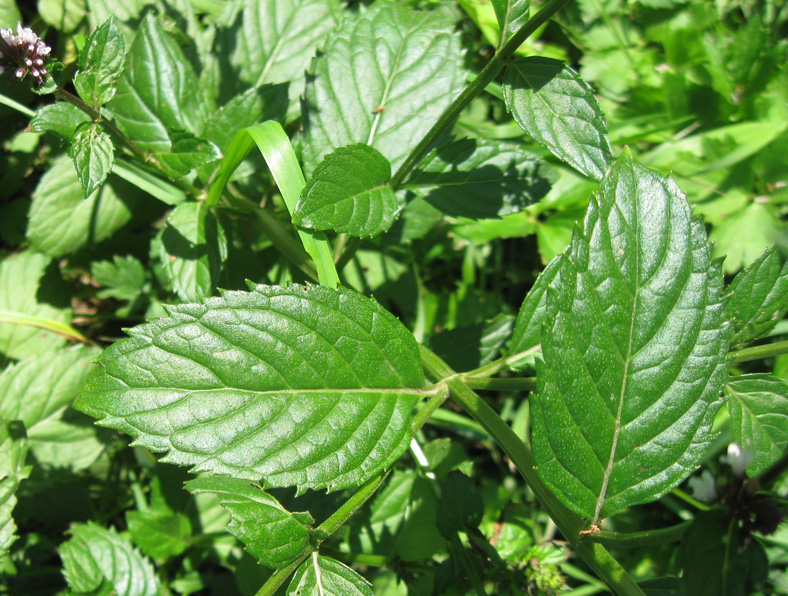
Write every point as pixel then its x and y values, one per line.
pixel 513 384
pixel 569 523
pixel 759 352
pixel 323 531
pixel 486 76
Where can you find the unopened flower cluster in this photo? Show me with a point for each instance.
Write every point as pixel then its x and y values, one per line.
pixel 23 53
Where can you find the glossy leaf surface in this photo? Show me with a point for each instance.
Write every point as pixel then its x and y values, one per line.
pixel 634 349
pixel 322 576
pixel 93 155
pixel 533 312
pixel 186 153
pixel 348 193
pixel 300 386
pixel 758 298
pixel 158 92
pixel 193 247
pixel 405 68
pixel 62 118
pixel 100 64
pixel 13 451
pixel 511 15
pixel 558 109
pixel 478 178
pixel 270 533
pixel 758 405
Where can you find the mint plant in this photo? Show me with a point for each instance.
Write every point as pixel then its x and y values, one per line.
pixel 264 195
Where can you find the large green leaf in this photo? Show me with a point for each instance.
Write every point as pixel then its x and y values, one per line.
pixel 758 405
pixel 558 109
pixel 13 451
pixel 273 41
pixel 321 576
pixel 62 221
pixel 348 193
pixel 403 67
pixel 30 288
pixel 478 178
pixel 100 64
pixel 95 556
pixel 38 391
pixel 158 92
pixel 193 248
pixel 271 533
pixel 533 312
pixel 634 349
pixel 758 298
pixel 302 386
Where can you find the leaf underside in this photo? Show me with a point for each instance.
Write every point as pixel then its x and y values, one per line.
pixel 302 386
pixel 634 349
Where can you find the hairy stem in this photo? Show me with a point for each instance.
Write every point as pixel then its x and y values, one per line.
pixel 759 352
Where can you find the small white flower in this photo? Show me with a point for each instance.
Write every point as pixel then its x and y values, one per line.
pixel 24 53
pixel 738 459
pixel 703 487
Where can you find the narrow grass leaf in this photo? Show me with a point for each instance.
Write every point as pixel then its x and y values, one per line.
pixel 558 109
pixel 758 405
pixel 348 193
pixel 303 386
pixel 634 346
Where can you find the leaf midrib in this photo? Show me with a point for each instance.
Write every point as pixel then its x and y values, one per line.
pixel 600 502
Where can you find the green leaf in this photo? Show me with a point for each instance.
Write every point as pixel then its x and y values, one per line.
pixel 158 92
pixel 348 193
pixel 321 576
pixel 269 102
pixel 186 153
pixel 478 178
pixel 101 64
pixel 533 314
pixel 13 451
pixel 758 298
pixel 558 109
pixel 301 386
pixel 469 347
pixel 714 561
pixel 271 533
pixel 29 288
pixel 93 155
pixel 744 235
pixel 634 349
pixel 159 536
pixel 62 221
pixel 62 118
pixel 193 248
pixel 94 555
pixel 400 522
pixel 123 277
pixel 460 505
pixel 404 68
pixel 511 15
pixel 758 405
pixel 63 15
pixel 38 391
pixel 275 40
